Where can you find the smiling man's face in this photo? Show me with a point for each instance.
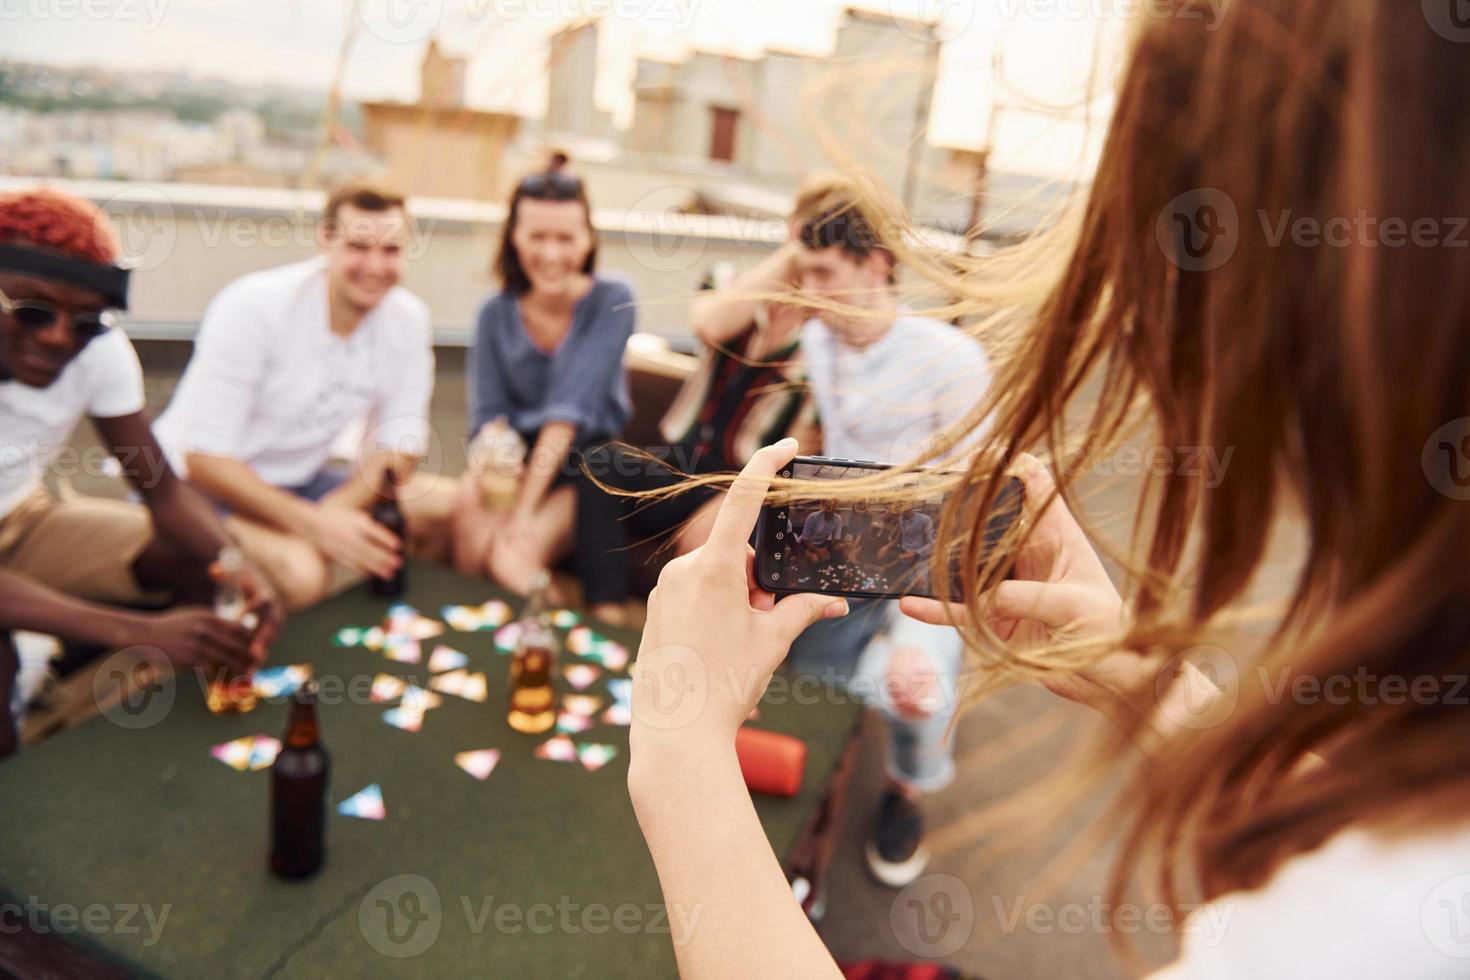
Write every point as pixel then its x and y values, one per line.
pixel 37 357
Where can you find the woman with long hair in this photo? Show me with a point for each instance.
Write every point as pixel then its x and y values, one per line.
pixel 547 362
pixel 1191 307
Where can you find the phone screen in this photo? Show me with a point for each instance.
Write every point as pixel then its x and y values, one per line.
pixel 860 548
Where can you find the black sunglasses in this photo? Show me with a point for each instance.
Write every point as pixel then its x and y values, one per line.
pixel 550 183
pixel 38 314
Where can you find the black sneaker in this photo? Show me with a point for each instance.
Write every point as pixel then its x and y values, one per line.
pixel 895 852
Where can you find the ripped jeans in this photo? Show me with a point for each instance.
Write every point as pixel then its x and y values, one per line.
pixel 852 654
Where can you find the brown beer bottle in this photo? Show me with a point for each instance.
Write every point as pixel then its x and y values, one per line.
pixel 533 665
pixel 299 793
pixel 386 512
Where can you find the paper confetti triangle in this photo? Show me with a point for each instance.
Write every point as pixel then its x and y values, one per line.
pixel 594 755
pixel 446 658
pixel 417 699
pixel 618 714
pixel 371 637
pixel 558 748
pixel 408 719
pixel 387 687
pixel 479 762
pixel 581 704
pixel 580 676
pixel 470 619
pixel 462 684
pixel 253 752
pixel 405 620
pixel 365 804
pixel 611 654
pixel 564 618
pixel 621 688
pixel 581 641
pixel 280 682
pixel 507 636
pixel 572 723
pixel 404 651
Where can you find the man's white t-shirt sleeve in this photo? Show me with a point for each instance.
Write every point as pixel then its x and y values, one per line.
pixel 960 387
pixel 220 385
pixel 116 377
pixel 402 414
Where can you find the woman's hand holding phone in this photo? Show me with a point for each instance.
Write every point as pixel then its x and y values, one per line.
pixel 713 637
pixel 1058 590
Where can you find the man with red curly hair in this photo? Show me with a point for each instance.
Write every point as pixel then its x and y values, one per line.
pixel 66 565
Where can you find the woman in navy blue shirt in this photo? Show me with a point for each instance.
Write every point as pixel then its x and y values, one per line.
pixel 548 358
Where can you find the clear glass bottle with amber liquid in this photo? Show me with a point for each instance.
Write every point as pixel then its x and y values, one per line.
pixel 533 665
pixel 386 512
pixel 229 690
pixel 299 792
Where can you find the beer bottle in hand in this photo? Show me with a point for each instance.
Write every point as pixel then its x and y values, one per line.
pixel 387 513
pixel 533 666
pixel 229 690
pixel 299 793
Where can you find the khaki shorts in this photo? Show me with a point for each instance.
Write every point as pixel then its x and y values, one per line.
pixel 83 546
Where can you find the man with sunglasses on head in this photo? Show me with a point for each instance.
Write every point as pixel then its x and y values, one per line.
pixel 67 565
pixel 289 361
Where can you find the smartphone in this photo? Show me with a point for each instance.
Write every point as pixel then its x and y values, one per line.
pixel 864 550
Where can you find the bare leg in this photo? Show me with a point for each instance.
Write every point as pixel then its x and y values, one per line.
pixel 161 567
pixel 298 571
pixel 9 677
pixel 472 528
pixel 429 501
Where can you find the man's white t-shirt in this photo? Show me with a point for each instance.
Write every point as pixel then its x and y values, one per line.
pixel 271 385
pixel 1360 906
pixel 883 402
pixel 103 381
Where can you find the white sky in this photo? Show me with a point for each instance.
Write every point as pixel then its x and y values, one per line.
pixel 1048 49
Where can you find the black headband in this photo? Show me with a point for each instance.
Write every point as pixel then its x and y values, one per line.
pixel 109 280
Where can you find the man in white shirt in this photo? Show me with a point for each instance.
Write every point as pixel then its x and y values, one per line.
pixel 288 360
pixel 887 384
pixel 66 564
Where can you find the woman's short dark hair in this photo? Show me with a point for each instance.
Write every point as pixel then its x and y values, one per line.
pixel 547 186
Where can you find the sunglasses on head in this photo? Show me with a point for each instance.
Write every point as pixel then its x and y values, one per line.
pixel 551 182
pixel 38 314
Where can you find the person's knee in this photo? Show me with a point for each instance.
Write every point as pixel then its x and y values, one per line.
pixel 914 687
pixel 9 678
pixel 301 576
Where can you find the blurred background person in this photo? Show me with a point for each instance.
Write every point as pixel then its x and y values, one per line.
pixel 68 564
pixel 547 362
pixel 288 361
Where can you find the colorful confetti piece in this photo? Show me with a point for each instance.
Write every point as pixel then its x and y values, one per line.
pixel 405 718
pixel 446 658
pixel 387 687
pixel 365 804
pixel 472 619
pixel 581 704
pixel 594 755
pixel 252 752
pixel 572 723
pixel 558 748
pixel 280 682
pixel 462 684
pixel 404 651
pixel 478 762
pixel 580 676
